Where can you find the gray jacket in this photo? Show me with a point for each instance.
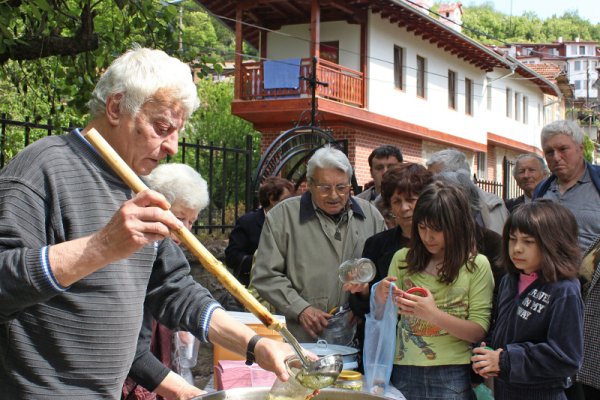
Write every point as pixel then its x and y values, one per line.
pixel 298 256
pixel 493 211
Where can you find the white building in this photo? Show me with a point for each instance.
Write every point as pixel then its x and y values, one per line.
pixel 395 76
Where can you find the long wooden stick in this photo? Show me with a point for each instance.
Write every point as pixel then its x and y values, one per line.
pixel 209 262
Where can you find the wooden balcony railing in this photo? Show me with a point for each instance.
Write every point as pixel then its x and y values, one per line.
pixel 345 85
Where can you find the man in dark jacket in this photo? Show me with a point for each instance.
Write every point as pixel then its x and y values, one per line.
pixel 574 183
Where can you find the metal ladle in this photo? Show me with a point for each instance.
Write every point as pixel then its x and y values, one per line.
pixel 322 365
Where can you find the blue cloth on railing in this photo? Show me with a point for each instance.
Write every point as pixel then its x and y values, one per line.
pixel 282 74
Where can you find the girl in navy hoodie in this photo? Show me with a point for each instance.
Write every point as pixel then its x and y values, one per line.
pixel 538 330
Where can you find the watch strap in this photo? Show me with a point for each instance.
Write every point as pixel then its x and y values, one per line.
pixel 250 356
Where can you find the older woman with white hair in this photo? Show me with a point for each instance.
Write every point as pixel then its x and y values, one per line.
pixel 158 347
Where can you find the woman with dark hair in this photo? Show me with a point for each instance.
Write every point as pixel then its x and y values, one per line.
pixel 538 335
pixel 243 240
pixel 400 189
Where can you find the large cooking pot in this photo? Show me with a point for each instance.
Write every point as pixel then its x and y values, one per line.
pixel 260 393
pixel 322 348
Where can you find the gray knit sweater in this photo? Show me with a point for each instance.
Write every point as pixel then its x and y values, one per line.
pixel 78 342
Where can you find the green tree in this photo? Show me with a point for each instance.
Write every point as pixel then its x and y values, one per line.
pixel 588 149
pixel 489 26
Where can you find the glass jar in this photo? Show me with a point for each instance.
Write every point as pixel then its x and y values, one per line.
pixel 360 270
pixel 291 389
pixel 349 380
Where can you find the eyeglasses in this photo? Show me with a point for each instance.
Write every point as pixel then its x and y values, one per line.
pixel 325 189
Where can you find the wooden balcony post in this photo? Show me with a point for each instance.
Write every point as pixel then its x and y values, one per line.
pixel 239 41
pixel 315 29
pixel 363 61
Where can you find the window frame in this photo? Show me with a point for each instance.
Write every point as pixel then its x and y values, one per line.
pixel 399 78
pixel 421 77
pixel 468 96
pixel 452 93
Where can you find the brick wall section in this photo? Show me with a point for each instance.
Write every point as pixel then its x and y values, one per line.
pixel 491 163
pixel 360 145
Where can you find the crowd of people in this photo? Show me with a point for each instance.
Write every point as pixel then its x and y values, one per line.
pixel 95 290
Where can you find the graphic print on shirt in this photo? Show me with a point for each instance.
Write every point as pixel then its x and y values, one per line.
pixel 416 330
pixel 534 302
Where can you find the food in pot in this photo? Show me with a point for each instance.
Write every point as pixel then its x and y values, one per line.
pixel 315 380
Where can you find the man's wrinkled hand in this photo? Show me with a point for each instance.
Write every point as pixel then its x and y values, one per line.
pixel 140 221
pixel 313 321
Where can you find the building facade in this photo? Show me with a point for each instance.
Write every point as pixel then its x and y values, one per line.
pixel 394 74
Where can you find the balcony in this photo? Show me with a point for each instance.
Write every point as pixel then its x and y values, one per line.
pixel 345 85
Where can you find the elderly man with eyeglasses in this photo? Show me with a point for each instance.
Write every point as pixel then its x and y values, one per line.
pixel 306 238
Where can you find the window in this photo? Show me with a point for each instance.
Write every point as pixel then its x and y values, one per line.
pixel 399 67
pixel 421 84
pixel 577 65
pixel 468 96
pixel 489 97
pixel 517 106
pixel 452 89
pixel 577 85
pixel 330 51
pixel 525 110
pixel 581 49
pixel 509 105
pixel 481 165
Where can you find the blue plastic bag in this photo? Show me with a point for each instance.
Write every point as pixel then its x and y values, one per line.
pixel 380 343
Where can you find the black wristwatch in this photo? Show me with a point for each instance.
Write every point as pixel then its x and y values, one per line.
pixel 250 357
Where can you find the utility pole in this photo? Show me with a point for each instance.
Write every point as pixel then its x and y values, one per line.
pixel 178 3
pixel 587 83
pixel 312 83
pixel 180 29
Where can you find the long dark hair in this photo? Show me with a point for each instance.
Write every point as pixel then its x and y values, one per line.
pixel 444 207
pixel 555 231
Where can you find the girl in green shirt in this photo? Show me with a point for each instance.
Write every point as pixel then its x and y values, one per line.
pixel 438 324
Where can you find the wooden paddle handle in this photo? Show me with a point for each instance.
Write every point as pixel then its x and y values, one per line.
pixel 209 262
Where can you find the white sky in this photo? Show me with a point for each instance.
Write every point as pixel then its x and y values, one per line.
pixel 587 9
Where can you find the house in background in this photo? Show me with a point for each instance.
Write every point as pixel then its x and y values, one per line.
pixel 561 106
pixel 395 75
pixel 579 61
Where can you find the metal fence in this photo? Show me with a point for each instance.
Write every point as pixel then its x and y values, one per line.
pixel 507 188
pixel 227 170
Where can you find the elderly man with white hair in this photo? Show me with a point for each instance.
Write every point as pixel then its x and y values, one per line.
pixel 305 239
pixel 81 254
pixel 529 170
pixel 574 182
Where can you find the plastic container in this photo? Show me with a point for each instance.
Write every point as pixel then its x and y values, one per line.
pixel 340 329
pixel 349 380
